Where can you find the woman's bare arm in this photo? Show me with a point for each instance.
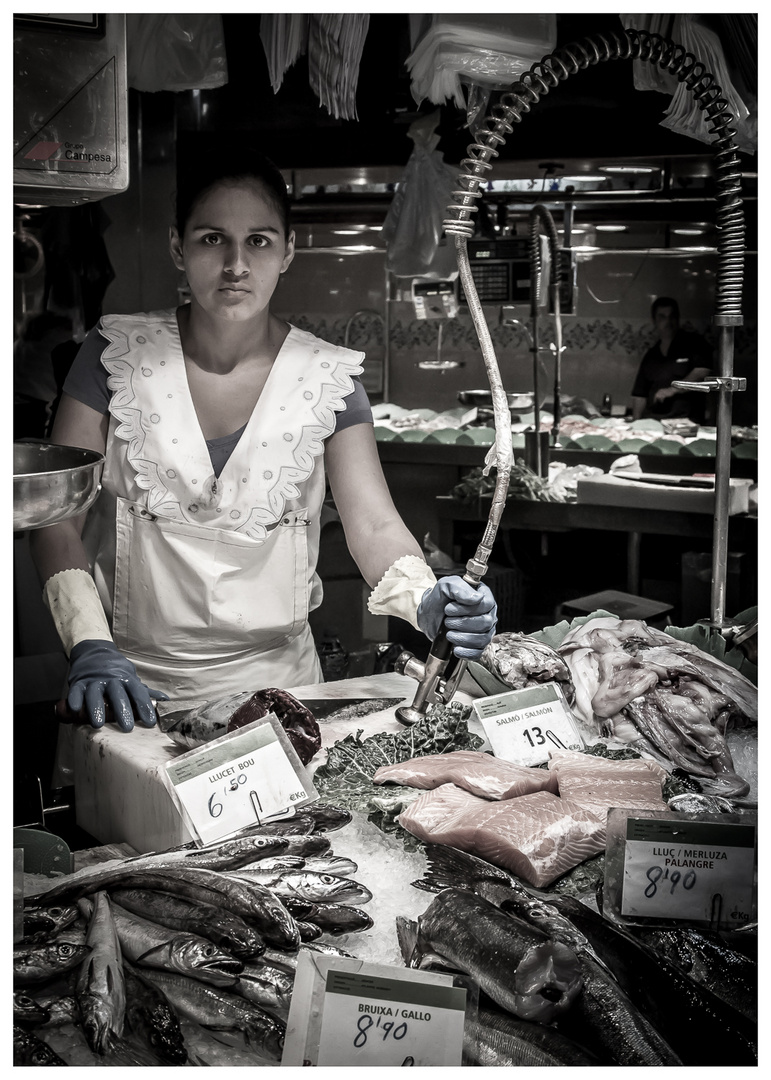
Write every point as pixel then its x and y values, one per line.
pixel 374 531
pixel 59 547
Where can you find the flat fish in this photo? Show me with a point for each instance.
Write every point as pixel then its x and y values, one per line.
pixel 599 783
pixel 538 837
pixel 481 774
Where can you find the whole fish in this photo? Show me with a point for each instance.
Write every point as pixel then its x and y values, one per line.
pixel 331 918
pixel 705 957
pixel 683 1011
pixel 612 1025
pixel 27 1012
pixel 515 964
pixel 49 921
pixel 152 1019
pixel 216 924
pixel 254 903
pixel 29 1050
pixel 288 961
pixel 38 965
pixel 218 1010
pixel 321 888
pixel 149 945
pixel 501 1039
pixel 267 986
pixel 100 990
pixel 322 864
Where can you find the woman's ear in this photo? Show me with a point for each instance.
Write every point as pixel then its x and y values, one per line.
pixel 289 253
pixel 175 247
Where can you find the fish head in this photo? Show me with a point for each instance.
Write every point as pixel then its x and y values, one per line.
pixel 28 1011
pixel 205 960
pixel 97 1015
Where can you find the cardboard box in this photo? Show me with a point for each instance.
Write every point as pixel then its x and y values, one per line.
pixel 620 491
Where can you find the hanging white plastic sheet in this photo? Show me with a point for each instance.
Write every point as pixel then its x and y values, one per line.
pixel 284 39
pixel 490 51
pixel 175 52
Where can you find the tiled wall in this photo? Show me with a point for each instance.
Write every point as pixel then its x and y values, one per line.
pixel 603 342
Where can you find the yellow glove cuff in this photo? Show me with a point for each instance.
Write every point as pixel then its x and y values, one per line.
pixel 401 589
pixel 72 598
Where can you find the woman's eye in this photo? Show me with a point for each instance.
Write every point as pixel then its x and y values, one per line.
pixel 259 241
pixel 211 239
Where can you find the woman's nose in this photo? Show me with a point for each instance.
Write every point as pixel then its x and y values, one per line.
pixel 236 262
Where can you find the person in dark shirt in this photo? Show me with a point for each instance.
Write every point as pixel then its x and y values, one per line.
pixel 677 355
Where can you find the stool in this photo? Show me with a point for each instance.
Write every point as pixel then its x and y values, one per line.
pixel 623 605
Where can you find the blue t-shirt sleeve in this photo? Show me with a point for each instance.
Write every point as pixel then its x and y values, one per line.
pixel 86 380
pixel 357 409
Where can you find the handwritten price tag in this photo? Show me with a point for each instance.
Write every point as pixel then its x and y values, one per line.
pixel 524 726
pixel 690 870
pixel 239 779
pixel 371 1020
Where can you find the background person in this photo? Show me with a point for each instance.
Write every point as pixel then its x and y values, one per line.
pixel 678 354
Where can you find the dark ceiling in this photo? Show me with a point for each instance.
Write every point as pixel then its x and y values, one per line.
pixel 596 113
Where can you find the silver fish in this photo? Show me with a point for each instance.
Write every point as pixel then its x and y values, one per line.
pixel 29 1050
pixel 216 924
pixel 100 989
pixel 40 964
pixel 267 986
pixel 149 945
pixel 215 1009
pixel 254 903
pixel 27 1012
pixel 501 1039
pixel 309 885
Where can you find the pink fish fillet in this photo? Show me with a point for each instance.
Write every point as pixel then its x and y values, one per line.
pixel 598 783
pixel 481 774
pixel 538 837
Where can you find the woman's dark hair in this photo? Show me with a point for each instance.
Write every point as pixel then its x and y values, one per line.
pixel 665 301
pixel 212 167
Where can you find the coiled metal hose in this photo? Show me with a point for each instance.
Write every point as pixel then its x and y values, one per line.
pixel 516 103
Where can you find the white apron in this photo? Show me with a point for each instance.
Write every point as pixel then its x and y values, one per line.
pixel 208 581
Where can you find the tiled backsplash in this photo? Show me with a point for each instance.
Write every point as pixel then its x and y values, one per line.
pixel 603 343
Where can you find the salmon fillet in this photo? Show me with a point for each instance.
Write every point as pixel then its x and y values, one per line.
pixel 538 836
pixel 481 774
pixel 599 783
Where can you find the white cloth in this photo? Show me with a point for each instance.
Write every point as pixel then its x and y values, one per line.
pixel 72 598
pixel 208 581
pixel 401 589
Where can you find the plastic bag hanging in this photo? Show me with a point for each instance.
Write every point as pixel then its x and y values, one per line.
pixel 412 229
pixel 175 52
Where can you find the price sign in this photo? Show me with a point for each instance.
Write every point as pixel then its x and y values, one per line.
pixel 524 726
pixel 369 1019
pixel 699 871
pixel 239 779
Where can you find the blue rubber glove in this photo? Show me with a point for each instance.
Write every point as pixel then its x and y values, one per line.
pixel 469 614
pixel 99 674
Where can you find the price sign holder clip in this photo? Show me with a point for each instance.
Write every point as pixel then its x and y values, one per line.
pixel 246 777
pixel 696 869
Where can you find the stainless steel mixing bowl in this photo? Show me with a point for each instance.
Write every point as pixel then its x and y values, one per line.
pixel 52 483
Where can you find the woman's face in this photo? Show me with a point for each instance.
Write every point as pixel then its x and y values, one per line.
pixel 233 250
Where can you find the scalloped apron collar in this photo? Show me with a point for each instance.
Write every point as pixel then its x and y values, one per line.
pixel 165 446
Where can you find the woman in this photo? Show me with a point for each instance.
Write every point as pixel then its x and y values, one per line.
pixel 220 423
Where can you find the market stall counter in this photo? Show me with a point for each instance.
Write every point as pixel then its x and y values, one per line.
pixel 120 796
pixel 561 888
